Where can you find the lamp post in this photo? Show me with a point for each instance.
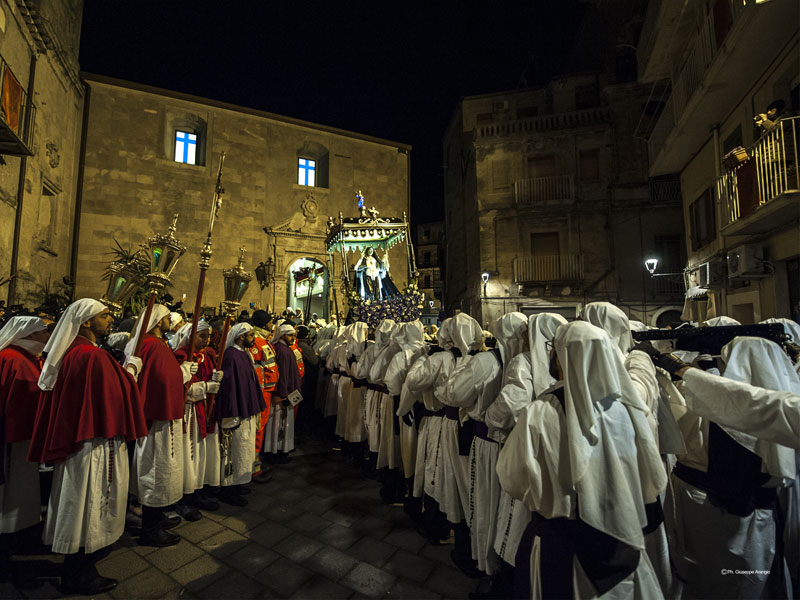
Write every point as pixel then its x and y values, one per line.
pixel 485 280
pixel 164 251
pixel 651 264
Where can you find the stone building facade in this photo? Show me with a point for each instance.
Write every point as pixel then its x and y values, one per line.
pixel 429 248
pixel 714 67
pixel 133 184
pixel 547 192
pixel 40 133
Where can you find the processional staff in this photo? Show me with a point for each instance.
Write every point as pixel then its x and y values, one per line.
pixel 205 253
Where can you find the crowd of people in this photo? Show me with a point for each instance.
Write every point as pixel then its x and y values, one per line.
pixel 561 459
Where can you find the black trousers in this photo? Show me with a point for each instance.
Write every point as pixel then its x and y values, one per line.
pixel 81 566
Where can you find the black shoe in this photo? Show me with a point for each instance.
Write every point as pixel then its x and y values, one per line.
pixel 201 501
pixel 262 477
pixel 233 499
pixel 243 490
pixel 169 522
pixel 467 566
pixel 160 538
pixel 188 513
pixel 91 587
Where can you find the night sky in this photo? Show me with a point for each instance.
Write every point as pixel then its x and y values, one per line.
pixel 392 70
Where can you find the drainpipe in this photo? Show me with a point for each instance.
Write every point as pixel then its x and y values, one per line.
pixel 718 207
pixel 76 219
pixel 23 165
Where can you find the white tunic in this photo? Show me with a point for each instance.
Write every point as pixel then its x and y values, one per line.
pixel 88 500
pixel 213 459
pixel 157 469
pixel 19 496
pixel 280 417
pixel 194 451
pixel 238 450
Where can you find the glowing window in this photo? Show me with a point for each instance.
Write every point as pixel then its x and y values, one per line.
pixel 306 169
pixel 185 147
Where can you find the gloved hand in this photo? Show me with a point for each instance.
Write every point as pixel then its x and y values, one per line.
pixel 196 392
pixel 134 366
pixel 189 368
pixel 705 362
pixel 408 419
pixel 668 362
pixel 286 404
pixel 212 387
pixel 793 350
pixel 647 348
pixel 216 376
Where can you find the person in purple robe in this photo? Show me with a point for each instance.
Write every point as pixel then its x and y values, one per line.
pixel 238 408
pixel 279 435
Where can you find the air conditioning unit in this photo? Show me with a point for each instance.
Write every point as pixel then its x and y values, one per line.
pixel 708 274
pixel 746 262
pixel 500 105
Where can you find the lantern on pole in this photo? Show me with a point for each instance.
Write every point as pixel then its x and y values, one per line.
pixel 124 279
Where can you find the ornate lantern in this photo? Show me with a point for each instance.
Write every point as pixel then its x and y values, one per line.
pixel 124 278
pixel 164 253
pixel 236 282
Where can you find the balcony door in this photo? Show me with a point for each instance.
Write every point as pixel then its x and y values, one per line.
pixel 545 252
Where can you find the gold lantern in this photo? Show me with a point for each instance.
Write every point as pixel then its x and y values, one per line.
pixel 164 253
pixel 237 281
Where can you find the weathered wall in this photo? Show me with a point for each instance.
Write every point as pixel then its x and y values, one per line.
pixel 132 186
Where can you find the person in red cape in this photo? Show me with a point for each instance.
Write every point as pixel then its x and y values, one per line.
pixel 196 450
pixel 21 342
pixel 263 354
pixel 89 408
pixel 157 470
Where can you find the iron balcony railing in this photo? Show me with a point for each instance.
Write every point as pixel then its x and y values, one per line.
pixel 558 267
pixel 538 191
pixel 16 117
pixel 770 171
pixel 665 189
pixel 566 120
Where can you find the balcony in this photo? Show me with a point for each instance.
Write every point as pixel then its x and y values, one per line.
pixel 567 120
pixel 734 43
pixel 548 269
pixel 17 118
pixel 763 193
pixel 538 192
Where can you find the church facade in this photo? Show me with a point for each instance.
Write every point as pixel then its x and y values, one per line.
pixel 153 153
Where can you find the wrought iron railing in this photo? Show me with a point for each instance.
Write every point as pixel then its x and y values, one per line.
pixel 566 120
pixel 544 190
pixel 771 170
pixel 557 267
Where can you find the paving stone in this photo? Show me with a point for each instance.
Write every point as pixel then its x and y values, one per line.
pixel 223 543
pixel 282 513
pixel 404 564
pixel 372 551
pixel 252 558
pixel 173 557
pixel 373 527
pixel 284 577
pixel 200 573
pixel 407 539
pixel 297 547
pixel 233 587
pixel 368 580
pixel 243 521
pixel 338 516
pixel 308 523
pixel 151 583
pixel 439 553
pixel 450 582
pixel 199 530
pixel 123 564
pixel 338 536
pixel 331 562
pixel 405 589
pixel 269 534
pixel 47 589
pixel 320 587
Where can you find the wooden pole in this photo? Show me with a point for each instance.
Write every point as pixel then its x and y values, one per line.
pixel 211 398
pixel 145 319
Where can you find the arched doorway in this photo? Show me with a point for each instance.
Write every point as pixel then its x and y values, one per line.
pixel 307 287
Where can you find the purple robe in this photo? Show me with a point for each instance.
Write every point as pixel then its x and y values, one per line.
pixel 239 393
pixel 288 373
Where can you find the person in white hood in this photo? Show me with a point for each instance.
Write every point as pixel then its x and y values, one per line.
pixel 425 383
pixel 583 459
pixel 473 387
pixel 335 362
pixel 723 506
pixel 525 377
pixel 350 416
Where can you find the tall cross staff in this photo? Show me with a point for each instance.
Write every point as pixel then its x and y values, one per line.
pixel 205 253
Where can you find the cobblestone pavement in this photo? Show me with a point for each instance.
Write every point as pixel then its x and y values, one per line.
pixel 318 530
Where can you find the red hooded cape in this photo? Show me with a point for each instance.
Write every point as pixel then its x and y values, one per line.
pixel 93 397
pixel 161 381
pixel 205 368
pixel 19 392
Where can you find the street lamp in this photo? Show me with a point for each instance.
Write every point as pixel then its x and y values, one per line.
pixel 265 272
pixel 485 280
pixel 651 264
pixel 430 303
